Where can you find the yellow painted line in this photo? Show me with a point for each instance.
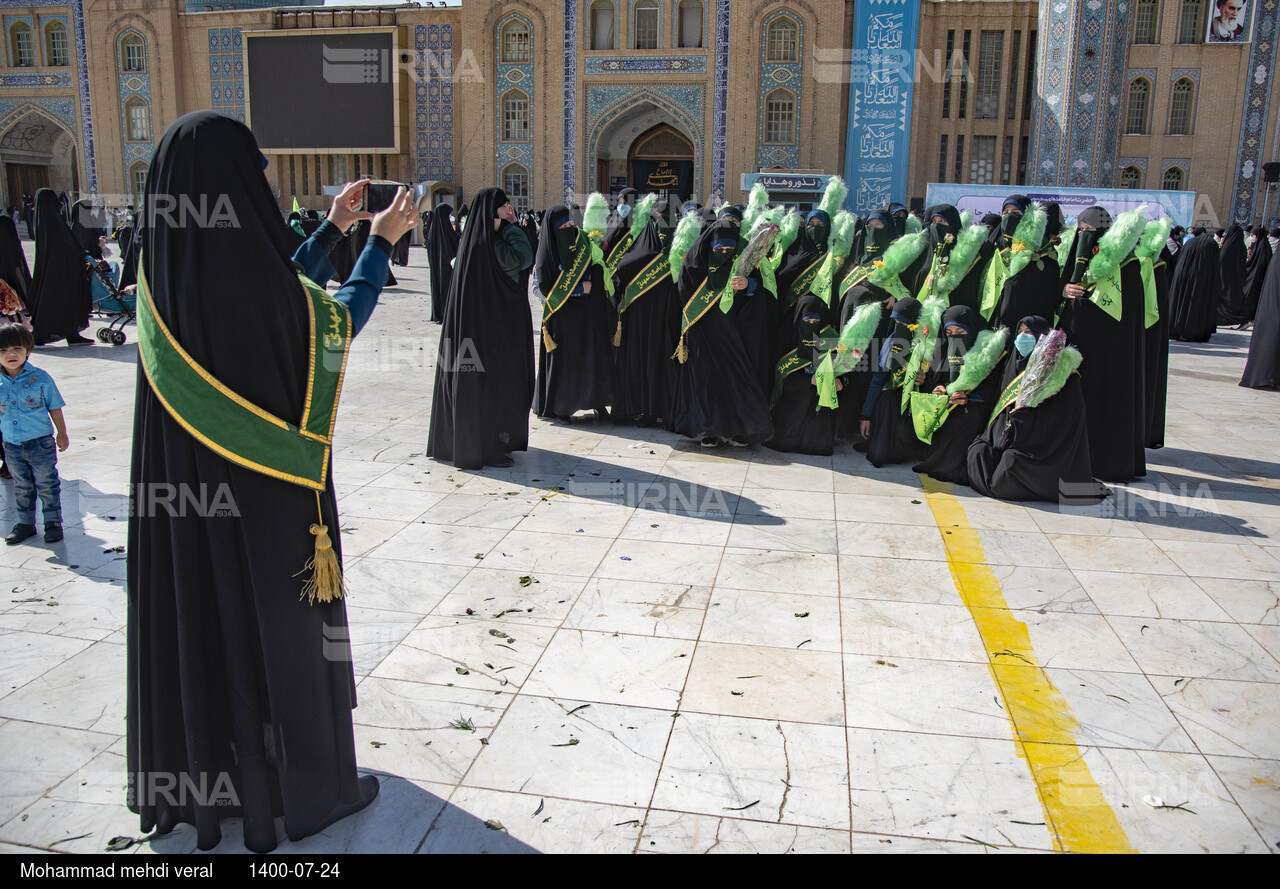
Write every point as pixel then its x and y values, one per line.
pixel 1077 814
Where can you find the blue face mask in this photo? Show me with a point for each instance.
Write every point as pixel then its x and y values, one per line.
pixel 624 210
pixel 1024 343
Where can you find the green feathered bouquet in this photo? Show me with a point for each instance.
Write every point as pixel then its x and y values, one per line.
pixel 922 342
pixel 959 260
pixel 789 227
pixel 833 198
pixel 1028 238
pixel 838 244
pixel 913 224
pixel 854 339
pixel 757 203
pixel 929 411
pixel 595 222
pixel 641 215
pixel 1115 245
pixel 1048 367
pixel 682 239
pixel 1153 239
pixel 897 258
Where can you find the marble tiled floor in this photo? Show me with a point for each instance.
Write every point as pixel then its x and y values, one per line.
pixel 732 651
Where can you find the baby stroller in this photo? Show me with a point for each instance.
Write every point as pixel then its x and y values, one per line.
pixel 109 301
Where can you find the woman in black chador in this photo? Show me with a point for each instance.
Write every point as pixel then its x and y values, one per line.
pixel 578 373
pixel 59 299
pixel 649 327
pixel 238 686
pixel 442 249
pixel 484 370
pixel 1193 292
pixel 1232 262
pixel 716 396
pixel 1262 370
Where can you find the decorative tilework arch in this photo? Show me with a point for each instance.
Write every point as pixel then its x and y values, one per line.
pixel 617 102
pixel 81 130
pixel 433 98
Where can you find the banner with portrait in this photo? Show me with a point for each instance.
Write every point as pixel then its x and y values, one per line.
pixel 1230 21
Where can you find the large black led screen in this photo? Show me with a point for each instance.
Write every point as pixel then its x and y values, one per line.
pixel 322 91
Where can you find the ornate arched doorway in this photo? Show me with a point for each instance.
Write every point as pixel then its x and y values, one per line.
pixel 37 152
pixel 661 161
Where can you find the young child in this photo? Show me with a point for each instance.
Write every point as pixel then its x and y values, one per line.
pixel 30 411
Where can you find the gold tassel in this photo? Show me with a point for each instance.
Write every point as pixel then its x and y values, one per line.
pixel 682 351
pixel 617 334
pixel 547 342
pixel 325 583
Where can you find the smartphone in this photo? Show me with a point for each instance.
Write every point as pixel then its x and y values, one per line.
pixel 379 194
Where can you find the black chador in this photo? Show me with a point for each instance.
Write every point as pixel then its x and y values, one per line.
pixel 800 425
pixel 648 328
pixel 1040 452
pixel 239 688
pixel 579 319
pixel 1108 326
pixel 1231 272
pixel 716 395
pixel 1193 292
pixel 13 261
pixel 1255 273
pixel 1262 370
pixel 484 369
pixel 442 250
pixel 1156 346
pixel 59 298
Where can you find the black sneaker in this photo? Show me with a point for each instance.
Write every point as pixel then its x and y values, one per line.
pixel 52 532
pixel 711 442
pixel 20 533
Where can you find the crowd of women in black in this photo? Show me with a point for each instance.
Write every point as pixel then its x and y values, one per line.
pixel 1013 354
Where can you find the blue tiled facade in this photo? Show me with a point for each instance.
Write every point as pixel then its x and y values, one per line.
pixel 721 110
pixel 1262 63
pixel 646 65
pixel 514 76
pixel 64 110
pixel 772 76
pixel 134 83
pixel 226 71
pixel 570 98
pixel 1077 112
pixel 433 102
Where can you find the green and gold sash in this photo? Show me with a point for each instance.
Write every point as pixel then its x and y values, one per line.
pixel 855 277
pixel 793 361
pixel 1007 397
pixel 566 282
pixel 650 276
pixel 235 428
pixel 243 433
pixel 698 305
pixel 617 252
pixel 993 283
pixel 801 285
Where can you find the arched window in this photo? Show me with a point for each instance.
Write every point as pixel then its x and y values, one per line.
pixel 515 116
pixel 1145 21
pixel 138 119
pixel 22 50
pixel 780 117
pixel 133 54
pixel 1174 179
pixel 515 41
pixel 56 50
pixel 1189 18
pixel 1131 178
pixel 645 29
pixel 602 23
pixel 515 182
pixel 689 23
pixel 1139 104
pixel 782 42
pixel 138 181
pixel 1181 120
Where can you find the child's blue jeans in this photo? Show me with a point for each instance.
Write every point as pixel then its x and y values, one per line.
pixel 34 465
